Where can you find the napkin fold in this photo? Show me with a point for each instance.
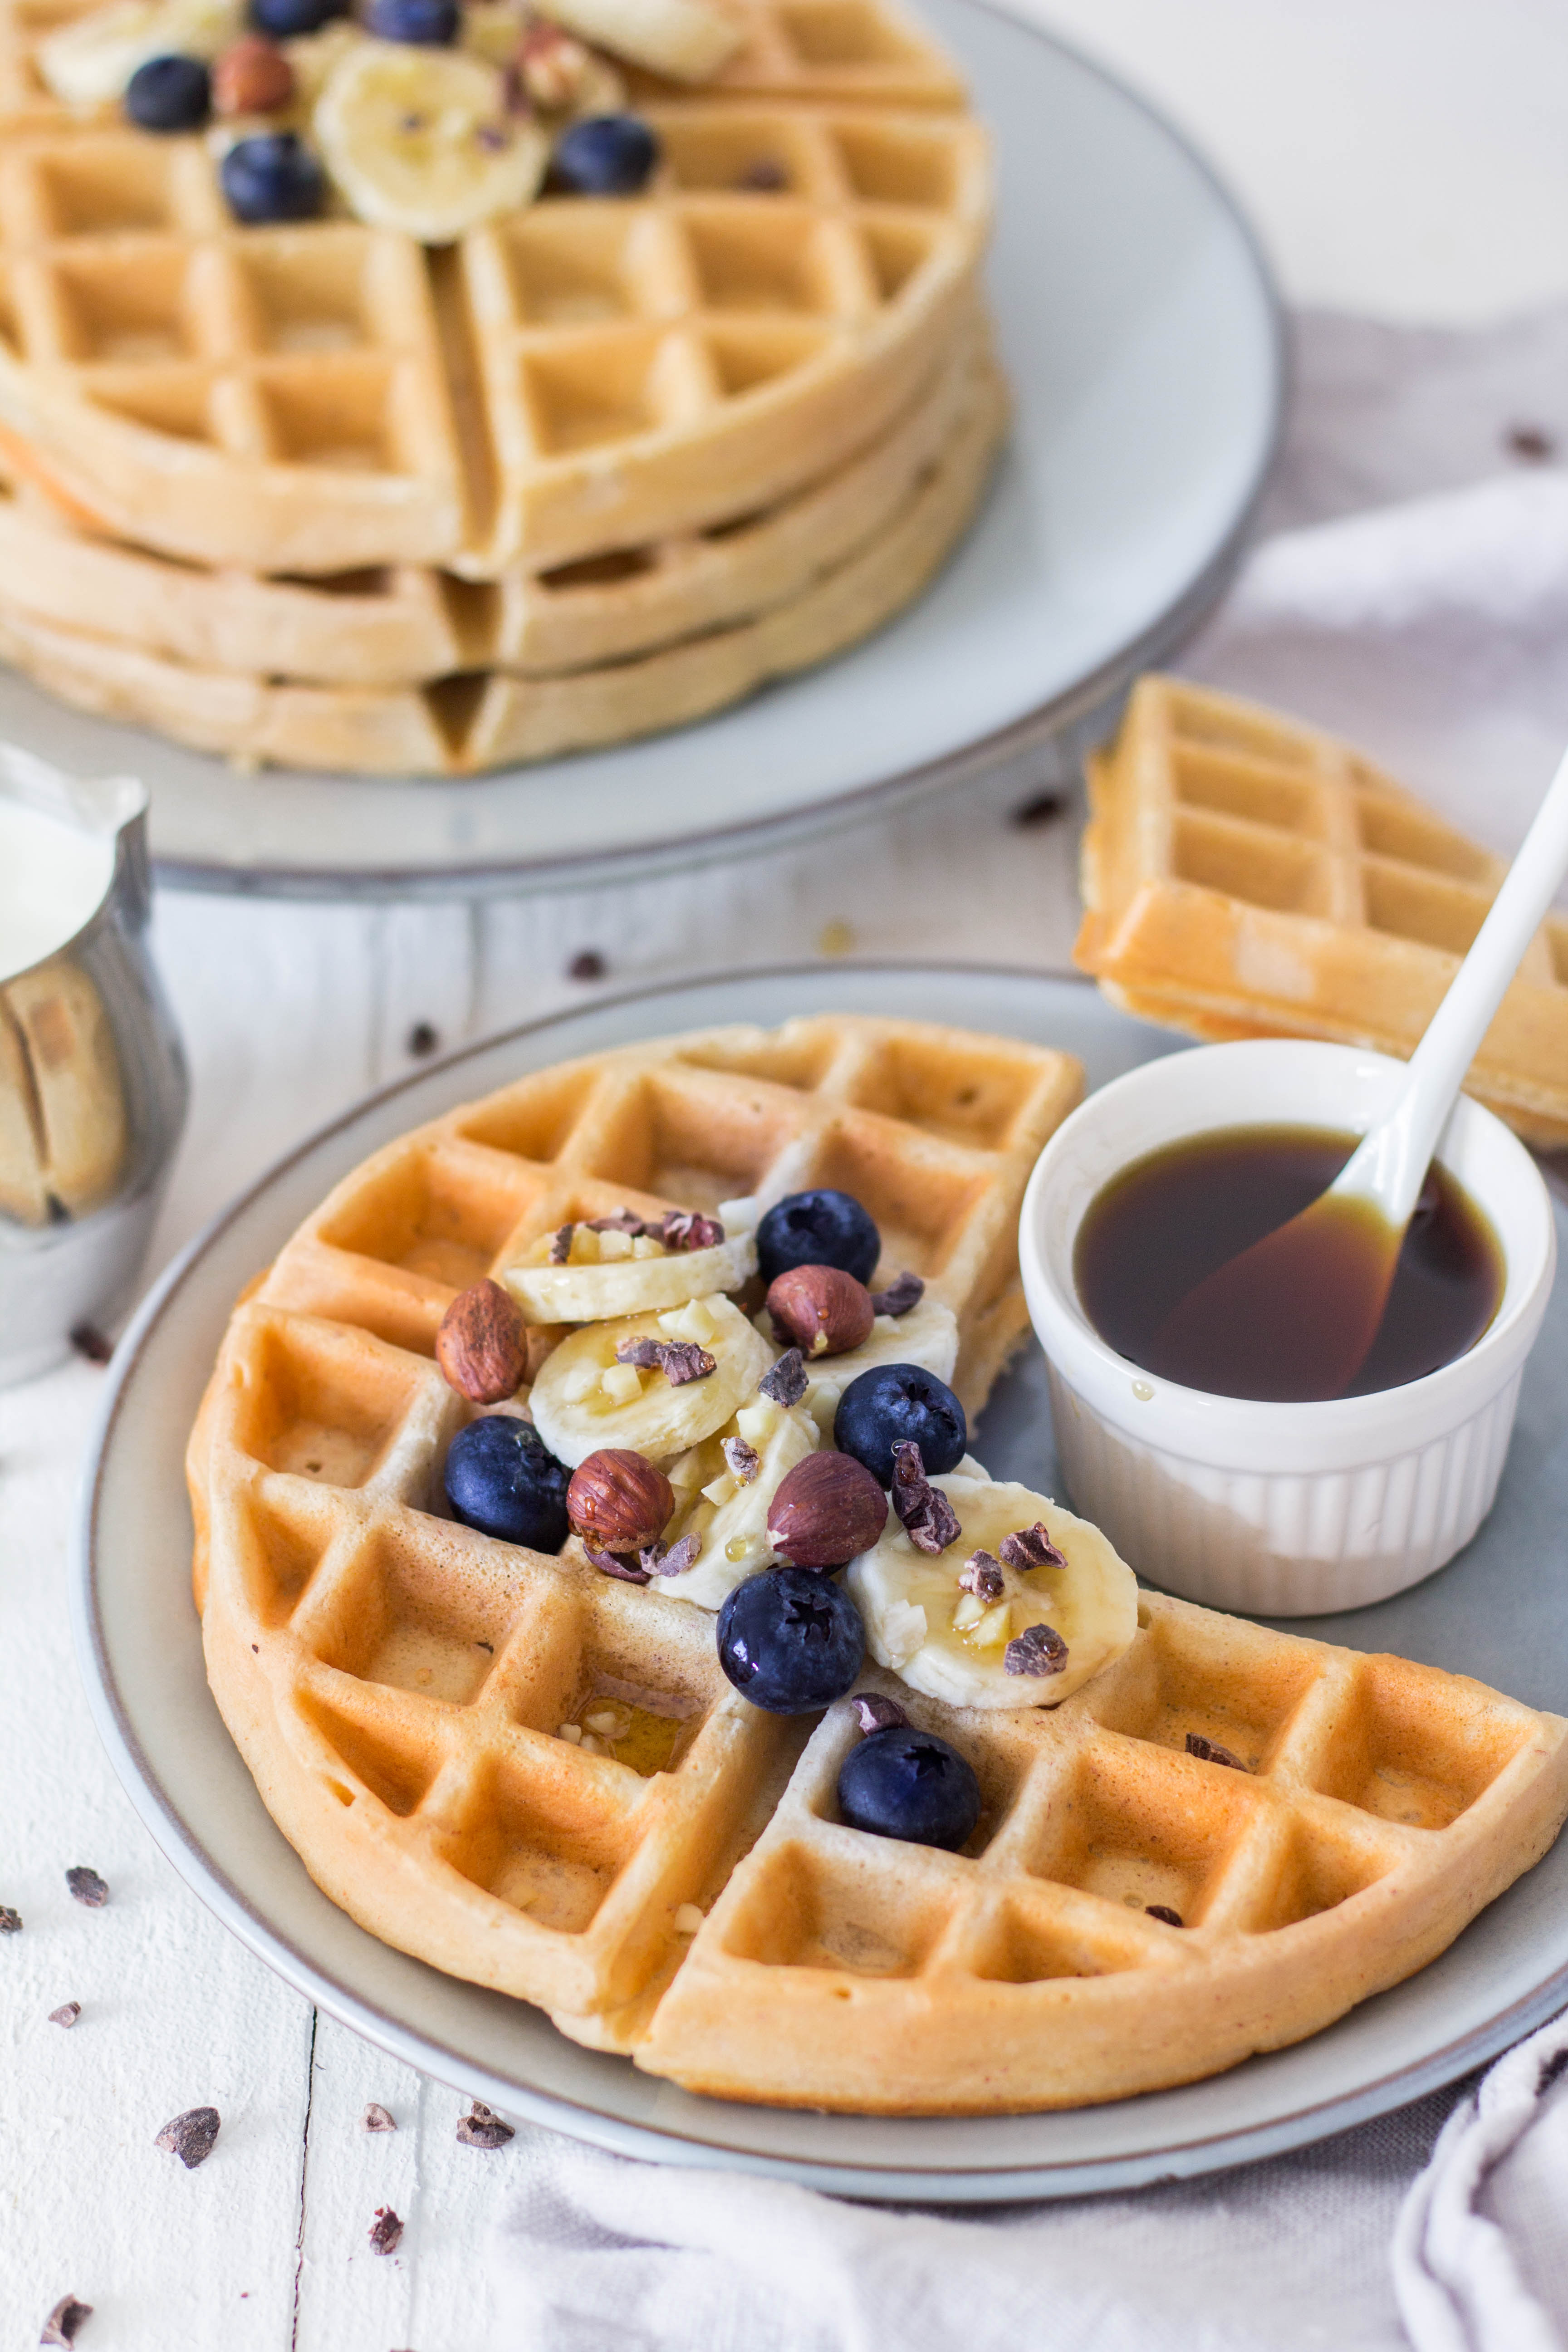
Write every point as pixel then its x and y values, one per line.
pixel 599 2254
pixel 1480 2254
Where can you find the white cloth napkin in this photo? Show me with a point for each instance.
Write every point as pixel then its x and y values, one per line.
pixel 1480 2254
pixel 1413 594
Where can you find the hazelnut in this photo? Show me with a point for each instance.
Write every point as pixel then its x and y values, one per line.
pixel 820 1310
pixel 828 1509
pixel 482 1344
pixel 254 77
pixel 553 67
pixel 618 1500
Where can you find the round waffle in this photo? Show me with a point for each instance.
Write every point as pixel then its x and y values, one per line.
pixel 537 1777
pixel 582 375
pixel 483 718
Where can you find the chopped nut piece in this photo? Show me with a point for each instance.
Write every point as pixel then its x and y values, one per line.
pixel 10 1921
pixel 553 66
pixel 906 1292
pixel 67 2013
pixel 689 1917
pixel 1209 1751
pixel 928 1520
pixel 483 2128
pixel 877 1713
pixel 678 1558
pixel 743 1460
pixel 377 2118
pixel 1031 1548
pixel 87 1887
pixel 678 1359
pixel 1038 1649
pixel 786 1383
pixel 62 2323
pixel 190 2137
pixel 1164 1911
pixel 621 1564
pixel 683 1230
pixel 385 2231
pixel 561 1244
pixel 982 1575
pixel 623 1222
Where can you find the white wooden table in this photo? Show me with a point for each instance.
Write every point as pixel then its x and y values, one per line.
pixel 1402 157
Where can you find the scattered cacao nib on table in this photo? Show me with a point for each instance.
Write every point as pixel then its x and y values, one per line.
pixel 87 1887
pixel 191 2136
pixel 377 2118
pixel 588 964
pixel 1209 1751
pixel 482 2127
pixel 422 1041
pixel 67 2013
pixel 385 2231
pixel 61 2325
pixel 901 1294
pixel 89 1342
pixel 1039 810
pixel 10 1921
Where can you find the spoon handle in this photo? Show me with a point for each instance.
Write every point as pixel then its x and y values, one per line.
pixel 1392 1162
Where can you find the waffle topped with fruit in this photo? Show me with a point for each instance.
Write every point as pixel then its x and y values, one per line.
pixel 443 283
pixel 599 1580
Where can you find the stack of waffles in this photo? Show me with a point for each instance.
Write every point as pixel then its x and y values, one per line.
pixel 321 495
pixel 537 1777
pixel 1247 876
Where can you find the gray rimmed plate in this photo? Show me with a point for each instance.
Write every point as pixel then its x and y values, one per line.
pixel 1495 1613
pixel 1143 342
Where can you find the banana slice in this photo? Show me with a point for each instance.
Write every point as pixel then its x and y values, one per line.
pixel 926 1335
pixel 687 39
pixel 586 1397
pixel 610 1274
pixel 951 1643
pixel 727 1513
pixel 420 140
pixel 90 61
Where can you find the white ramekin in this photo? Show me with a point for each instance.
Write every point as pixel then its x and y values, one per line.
pixel 1283 1510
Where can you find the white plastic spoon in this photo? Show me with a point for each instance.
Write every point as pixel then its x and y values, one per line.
pixel 1322 1280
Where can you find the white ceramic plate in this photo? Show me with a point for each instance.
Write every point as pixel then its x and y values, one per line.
pixel 1143 342
pixel 1495 1613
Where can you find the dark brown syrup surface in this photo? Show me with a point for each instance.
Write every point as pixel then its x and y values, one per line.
pixel 1166 1223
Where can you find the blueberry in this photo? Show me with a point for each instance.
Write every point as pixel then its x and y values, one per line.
pixel 818 1229
pixel 273 178
pixel 892 1401
pixel 170 94
pixel 503 1479
pixel 426 24
pixel 604 155
pixel 903 1783
pixel 287 20
pixel 791 1641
